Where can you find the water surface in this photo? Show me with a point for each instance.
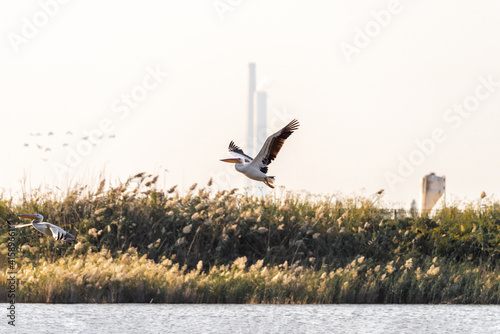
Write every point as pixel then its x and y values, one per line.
pixel 188 318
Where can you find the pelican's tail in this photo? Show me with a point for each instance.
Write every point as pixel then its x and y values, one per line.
pixel 69 237
pixel 269 181
pixel 64 236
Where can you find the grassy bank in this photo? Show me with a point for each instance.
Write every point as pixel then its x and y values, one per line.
pixel 137 244
pixel 128 277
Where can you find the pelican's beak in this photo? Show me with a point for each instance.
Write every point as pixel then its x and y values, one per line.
pixel 232 160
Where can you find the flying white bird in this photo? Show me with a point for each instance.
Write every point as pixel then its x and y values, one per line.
pixel 46 228
pixel 256 169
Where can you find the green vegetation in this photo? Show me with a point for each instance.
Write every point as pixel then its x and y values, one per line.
pixel 138 244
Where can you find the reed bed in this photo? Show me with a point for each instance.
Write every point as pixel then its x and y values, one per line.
pixel 139 244
pixel 130 278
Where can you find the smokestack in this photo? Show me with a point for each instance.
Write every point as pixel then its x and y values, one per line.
pixel 250 120
pixel 260 105
pixel 261 119
pixel 251 92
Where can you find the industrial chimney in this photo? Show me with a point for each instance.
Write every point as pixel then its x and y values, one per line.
pixel 251 93
pixel 260 104
pixel 250 119
pixel 260 119
pixel 257 120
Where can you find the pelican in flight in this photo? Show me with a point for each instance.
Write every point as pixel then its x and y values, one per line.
pixel 256 169
pixel 46 228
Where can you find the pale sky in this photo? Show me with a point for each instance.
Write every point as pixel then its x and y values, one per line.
pixel 386 92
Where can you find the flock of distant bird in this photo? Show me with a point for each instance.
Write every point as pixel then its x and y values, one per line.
pixel 45 148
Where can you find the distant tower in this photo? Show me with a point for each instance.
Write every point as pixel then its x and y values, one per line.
pixel 260 105
pixel 432 187
pixel 250 120
pixel 260 119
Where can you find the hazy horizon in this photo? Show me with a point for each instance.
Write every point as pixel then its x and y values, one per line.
pixel 385 91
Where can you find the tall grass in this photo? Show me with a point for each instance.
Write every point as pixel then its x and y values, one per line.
pixel 139 244
pixel 128 277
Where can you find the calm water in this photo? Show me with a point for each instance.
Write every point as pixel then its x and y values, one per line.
pixel 139 318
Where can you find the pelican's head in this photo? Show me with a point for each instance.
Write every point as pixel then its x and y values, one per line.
pixel 35 216
pixel 233 160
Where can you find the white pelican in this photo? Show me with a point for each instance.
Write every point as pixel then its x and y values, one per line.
pixel 256 169
pixel 46 228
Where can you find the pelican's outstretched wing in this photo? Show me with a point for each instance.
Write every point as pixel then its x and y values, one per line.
pixel 238 152
pixel 22 225
pixel 58 233
pixel 273 145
